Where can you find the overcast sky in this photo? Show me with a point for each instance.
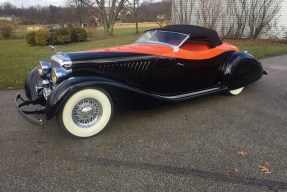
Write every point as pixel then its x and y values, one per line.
pixel 27 3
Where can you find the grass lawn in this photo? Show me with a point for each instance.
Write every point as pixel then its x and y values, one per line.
pixel 260 48
pixel 17 58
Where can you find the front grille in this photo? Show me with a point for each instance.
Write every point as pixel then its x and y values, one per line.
pixel 54 63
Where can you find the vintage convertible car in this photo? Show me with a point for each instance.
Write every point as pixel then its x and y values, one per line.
pixel 173 63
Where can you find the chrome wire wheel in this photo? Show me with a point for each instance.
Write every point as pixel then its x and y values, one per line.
pixel 86 113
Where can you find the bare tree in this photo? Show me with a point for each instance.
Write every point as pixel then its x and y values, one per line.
pixel 8 8
pixel 164 13
pixel 160 20
pixel 234 18
pixel 133 6
pixel 182 11
pixel 261 13
pixel 209 13
pixel 239 10
pixel 109 10
pixel 80 9
pixel 166 9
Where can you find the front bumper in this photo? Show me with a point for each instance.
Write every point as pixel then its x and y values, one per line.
pixel 33 116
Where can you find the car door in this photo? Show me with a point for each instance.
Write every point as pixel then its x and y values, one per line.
pixel 171 76
pixel 193 74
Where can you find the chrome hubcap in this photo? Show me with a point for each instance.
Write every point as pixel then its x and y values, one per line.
pixel 87 112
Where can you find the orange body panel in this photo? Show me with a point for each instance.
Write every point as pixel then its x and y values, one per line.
pixel 196 51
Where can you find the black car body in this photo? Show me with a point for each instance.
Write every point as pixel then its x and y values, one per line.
pixel 173 63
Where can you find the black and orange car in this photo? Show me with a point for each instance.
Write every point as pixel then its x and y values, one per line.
pixel 173 63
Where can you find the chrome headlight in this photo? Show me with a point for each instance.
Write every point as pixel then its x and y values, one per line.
pixel 44 67
pixel 58 74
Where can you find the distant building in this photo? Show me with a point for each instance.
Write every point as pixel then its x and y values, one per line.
pixel 47 27
pixel 8 18
pixel 34 28
pixel 190 12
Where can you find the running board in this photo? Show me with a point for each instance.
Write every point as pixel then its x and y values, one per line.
pixel 191 95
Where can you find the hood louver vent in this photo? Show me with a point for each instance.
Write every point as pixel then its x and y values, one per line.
pixel 130 72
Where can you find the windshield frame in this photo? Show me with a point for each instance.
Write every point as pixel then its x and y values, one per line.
pixel 175 47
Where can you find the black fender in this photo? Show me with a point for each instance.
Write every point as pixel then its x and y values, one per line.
pixel 241 69
pixel 33 80
pixel 67 88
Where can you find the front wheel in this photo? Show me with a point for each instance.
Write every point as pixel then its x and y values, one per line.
pixel 235 91
pixel 86 113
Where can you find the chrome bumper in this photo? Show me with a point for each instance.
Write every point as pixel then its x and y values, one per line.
pixel 32 116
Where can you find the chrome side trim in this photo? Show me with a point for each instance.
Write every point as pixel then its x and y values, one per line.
pixel 191 94
pixel 117 59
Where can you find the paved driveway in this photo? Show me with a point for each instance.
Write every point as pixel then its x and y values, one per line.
pixel 216 143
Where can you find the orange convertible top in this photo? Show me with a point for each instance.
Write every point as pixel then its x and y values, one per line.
pixel 193 50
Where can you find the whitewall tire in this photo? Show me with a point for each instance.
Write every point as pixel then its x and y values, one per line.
pixel 235 91
pixel 86 113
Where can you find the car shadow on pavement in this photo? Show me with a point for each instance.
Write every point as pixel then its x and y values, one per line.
pixel 261 183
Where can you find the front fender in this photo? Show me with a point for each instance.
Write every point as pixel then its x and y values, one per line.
pixel 67 88
pixel 240 70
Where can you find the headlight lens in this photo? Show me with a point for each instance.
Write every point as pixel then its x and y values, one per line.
pixel 58 74
pixel 44 67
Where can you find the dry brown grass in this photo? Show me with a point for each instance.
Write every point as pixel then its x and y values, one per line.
pixel 129 25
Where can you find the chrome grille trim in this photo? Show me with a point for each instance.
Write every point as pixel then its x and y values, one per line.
pixel 61 59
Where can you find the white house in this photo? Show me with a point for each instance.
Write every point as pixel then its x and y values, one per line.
pixel 8 18
pixel 227 18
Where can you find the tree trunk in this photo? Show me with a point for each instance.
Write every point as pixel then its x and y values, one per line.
pixel 109 19
pixel 137 24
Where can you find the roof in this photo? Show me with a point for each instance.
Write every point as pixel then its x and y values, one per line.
pixel 194 32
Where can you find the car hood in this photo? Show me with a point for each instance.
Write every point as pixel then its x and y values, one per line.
pixel 120 52
pixel 153 49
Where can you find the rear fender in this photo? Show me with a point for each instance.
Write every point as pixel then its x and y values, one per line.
pixel 240 70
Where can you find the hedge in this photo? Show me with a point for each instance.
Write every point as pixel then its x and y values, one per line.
pixel 44 37
pixel 30 38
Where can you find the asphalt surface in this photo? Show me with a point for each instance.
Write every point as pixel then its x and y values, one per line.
pixel 189 146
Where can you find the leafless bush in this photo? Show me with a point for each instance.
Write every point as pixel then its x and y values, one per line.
pixel 237 15
pixel 251 17
pixel 261 13
pixel 183 10
pixel 209 13
pixel 160 20
pixel 6 32
pixel 236 18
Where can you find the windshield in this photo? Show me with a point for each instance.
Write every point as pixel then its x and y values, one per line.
pixel 162 37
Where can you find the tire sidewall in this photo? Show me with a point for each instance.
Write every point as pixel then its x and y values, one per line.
pixel 235 91
pixel 66 122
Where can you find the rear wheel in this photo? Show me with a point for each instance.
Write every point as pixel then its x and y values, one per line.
pixel 86 113
pixel 235 91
